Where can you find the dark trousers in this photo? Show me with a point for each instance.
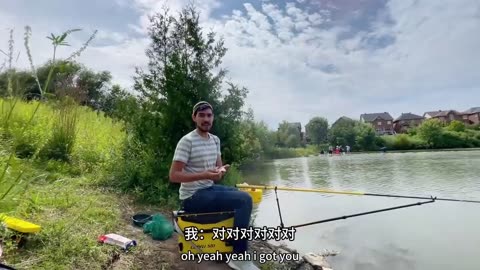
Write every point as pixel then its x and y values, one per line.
pixel 222 198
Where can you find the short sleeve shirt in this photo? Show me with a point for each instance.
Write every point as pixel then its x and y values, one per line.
pixel 199 154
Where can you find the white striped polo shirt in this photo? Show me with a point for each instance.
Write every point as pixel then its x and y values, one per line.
pixel 199 154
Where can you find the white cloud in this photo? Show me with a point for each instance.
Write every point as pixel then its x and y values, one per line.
pixel 296 68
pixel 434 55
pixel 112 37
pixel 152 6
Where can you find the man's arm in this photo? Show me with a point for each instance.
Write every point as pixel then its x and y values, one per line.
pixel 219 161
pixel 180 159
pixel 177 175
pixel 219 157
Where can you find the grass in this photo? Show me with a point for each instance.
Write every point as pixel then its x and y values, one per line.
pixel 62 197
pixel 98 139
pixel 72 215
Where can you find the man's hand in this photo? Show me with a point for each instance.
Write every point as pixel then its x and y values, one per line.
pixel 214 174
pixel 223 168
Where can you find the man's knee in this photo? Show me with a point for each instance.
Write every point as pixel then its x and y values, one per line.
pixel 246 198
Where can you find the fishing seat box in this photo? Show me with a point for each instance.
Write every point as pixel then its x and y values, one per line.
pixel 255 193
pixel 203 223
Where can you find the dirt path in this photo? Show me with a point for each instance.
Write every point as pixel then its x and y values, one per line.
pixel 149 253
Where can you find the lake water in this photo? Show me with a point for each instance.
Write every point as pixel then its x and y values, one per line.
pixel 440 235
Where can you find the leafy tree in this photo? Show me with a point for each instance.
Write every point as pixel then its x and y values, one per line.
pixel 365 136
pixel 317 130
pixel 431 131
pixel 67 78
pixel 343 132
pixel 94 85
pixel 120 104
pixel 183 68
pixel 288 135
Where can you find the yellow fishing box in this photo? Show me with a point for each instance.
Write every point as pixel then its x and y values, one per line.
pixel 19 225
pixel 202 226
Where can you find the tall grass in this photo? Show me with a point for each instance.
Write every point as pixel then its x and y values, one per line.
pixel 60 144
pixel 58 148
pixel 22 132
pixel 16 132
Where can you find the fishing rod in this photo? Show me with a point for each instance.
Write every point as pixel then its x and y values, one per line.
pixel 360 214
pixel 357 193
pixel 432 199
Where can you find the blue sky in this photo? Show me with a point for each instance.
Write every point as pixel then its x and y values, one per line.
pixel 298 58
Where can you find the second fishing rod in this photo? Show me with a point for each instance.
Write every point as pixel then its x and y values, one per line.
pixel 275 188
pixel 356 193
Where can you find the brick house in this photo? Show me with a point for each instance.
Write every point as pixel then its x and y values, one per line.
pixel 471 116
pixel 382 123
pixel 340 120
pixel 406 121
pixel 444 116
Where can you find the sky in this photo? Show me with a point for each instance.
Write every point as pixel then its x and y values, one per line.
pixel 298 58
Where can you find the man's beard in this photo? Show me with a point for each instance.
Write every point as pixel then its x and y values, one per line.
pixel 204 128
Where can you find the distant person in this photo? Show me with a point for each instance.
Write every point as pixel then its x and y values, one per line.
pixel 348 149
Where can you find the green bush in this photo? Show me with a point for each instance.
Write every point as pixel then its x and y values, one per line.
pixel 452 139
pixel 477 136
pixel 61 143
pixel 380 141
pixel 471 138
pixel 283 152
pixel 456 126
pixel 138 170
pixel 306 151
pixel 402 142
pixel 386 141
pixel 474 127
pixel 417 142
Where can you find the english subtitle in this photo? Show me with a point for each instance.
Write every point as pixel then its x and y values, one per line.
pixel 246 256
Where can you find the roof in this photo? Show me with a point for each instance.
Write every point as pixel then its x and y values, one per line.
pixel 369 117
pixel 408 116
pixel 472 110
pixel 440 113
pixel 342 118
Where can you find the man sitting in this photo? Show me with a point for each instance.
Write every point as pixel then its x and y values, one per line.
pixel 197 165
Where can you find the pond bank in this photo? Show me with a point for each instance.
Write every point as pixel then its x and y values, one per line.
pixel 152 254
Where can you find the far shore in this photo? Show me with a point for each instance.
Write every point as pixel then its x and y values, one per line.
pixel 419 150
